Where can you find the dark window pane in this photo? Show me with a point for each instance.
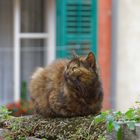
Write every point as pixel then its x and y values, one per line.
pixel 32 16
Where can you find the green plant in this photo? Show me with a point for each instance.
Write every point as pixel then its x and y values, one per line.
pixel 4 113
pixel 23 91
pixel 114 120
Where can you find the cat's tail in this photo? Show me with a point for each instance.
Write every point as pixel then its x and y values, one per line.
pixel 37 73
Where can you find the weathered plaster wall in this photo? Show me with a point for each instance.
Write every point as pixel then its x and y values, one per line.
pixel 128 54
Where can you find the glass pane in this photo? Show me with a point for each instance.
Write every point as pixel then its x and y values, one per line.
pixel 33 55
pixel 32 16
pixel 6 52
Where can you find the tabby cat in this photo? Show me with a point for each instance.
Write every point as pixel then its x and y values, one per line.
pixel 67 88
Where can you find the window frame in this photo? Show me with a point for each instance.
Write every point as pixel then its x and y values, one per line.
pixel 49 36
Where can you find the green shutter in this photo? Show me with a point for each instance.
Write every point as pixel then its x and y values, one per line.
pixel 76 27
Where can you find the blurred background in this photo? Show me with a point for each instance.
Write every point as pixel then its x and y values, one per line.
pixel 34 33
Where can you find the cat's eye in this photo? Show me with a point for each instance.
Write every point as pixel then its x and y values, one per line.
pixel 73 68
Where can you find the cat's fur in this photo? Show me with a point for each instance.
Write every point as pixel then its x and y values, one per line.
pixel 67 88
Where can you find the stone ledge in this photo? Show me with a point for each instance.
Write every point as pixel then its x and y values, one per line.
pixel 34 127
pixel 127 134
pixel 3 131
pixel 51 128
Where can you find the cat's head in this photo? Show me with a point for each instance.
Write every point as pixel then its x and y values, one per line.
pixel 81 70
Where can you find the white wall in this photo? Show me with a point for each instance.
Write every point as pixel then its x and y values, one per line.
pixel 128 54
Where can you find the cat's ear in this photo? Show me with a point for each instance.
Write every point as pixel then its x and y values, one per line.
pixel 74 54
pixel 91 59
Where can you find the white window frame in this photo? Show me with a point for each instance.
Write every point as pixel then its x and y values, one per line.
pixel 49 36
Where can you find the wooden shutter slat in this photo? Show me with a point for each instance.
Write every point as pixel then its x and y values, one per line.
pixel 79 26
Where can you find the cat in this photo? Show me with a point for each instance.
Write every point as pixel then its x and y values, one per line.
pixel 67 88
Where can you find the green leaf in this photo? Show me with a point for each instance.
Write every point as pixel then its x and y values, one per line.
pixel 131 125
pixel 118 114
pixel 99 119
pixel 119 134
pixel 102 117
pixel 105 113
pixel 4 113
pixel 3 110
pixel 116 126
pixel 101 138
pixel 110 118
pixel 110 126
pixel 129 114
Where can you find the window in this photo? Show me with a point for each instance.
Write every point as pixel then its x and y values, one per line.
pixel 6 52
pixel 27 41
pixel 30 40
